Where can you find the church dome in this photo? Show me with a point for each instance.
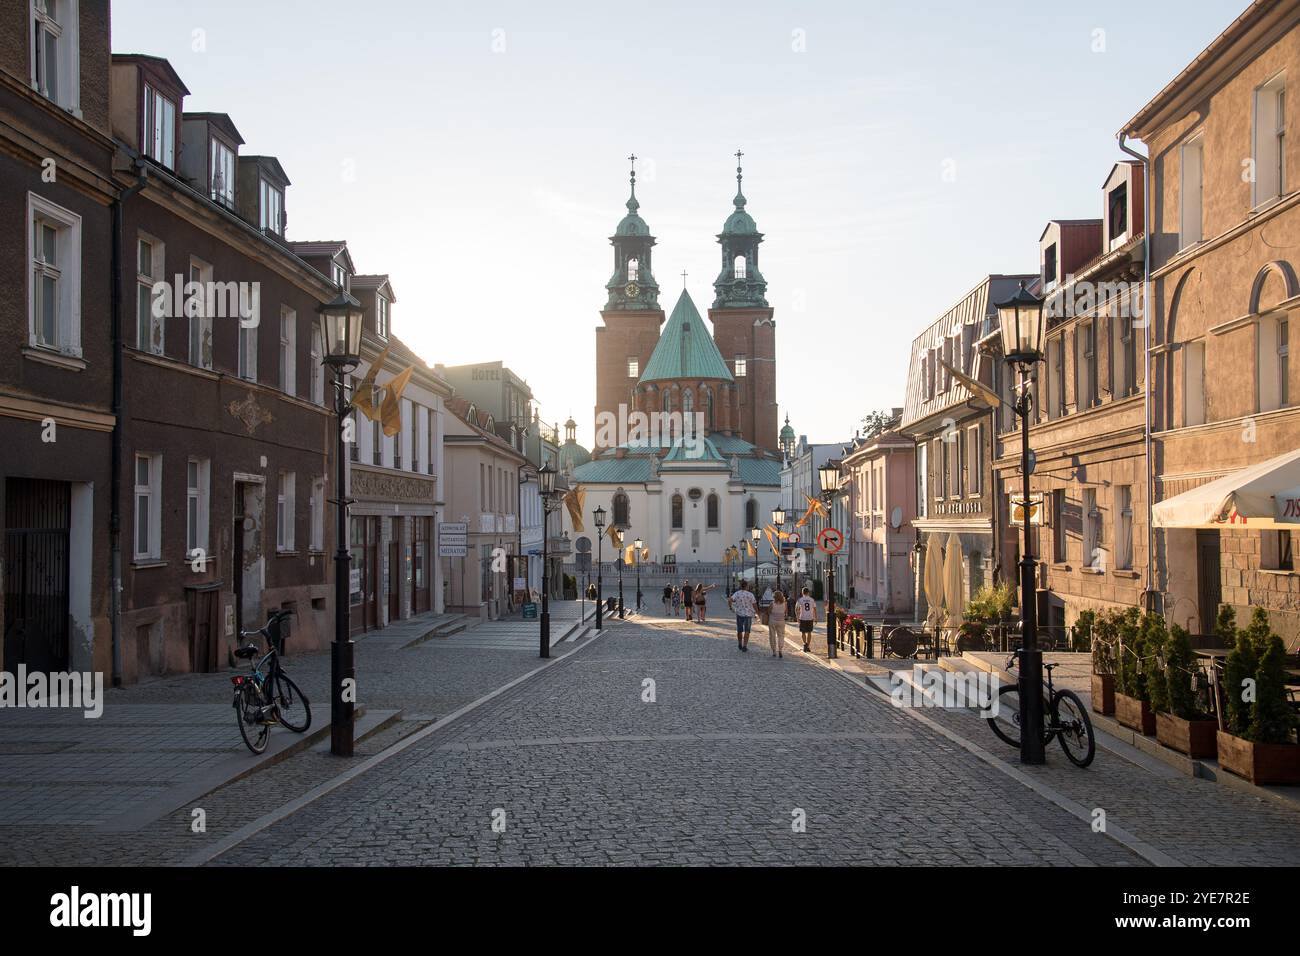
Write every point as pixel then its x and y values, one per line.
pixel 787 432
pixel 740 223
pixel 571 455
pixel 632 224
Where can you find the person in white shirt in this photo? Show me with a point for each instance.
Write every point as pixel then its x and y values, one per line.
pixel 743 603
pixel 805 609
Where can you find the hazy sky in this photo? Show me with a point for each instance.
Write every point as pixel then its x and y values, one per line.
pixel 475 152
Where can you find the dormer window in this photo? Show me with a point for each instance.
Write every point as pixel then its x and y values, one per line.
pixel 54 51
pixel 341 277
pixel 272 205
pixel 159 137
pixel 1049 265
pixel 1117 215
pixel 222 187
pixel 381 316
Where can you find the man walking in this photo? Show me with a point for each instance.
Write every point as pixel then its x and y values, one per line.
pixel 688 598
pixel 668 600
pixel 745 607
pixel 806 611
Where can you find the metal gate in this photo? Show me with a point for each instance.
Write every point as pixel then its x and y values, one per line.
pixel 37 514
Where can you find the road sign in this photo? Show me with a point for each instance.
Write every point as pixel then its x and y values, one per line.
pixel 583 559
pixel 583 546
pixel 830 540
pixel 793 537
pixel 453 539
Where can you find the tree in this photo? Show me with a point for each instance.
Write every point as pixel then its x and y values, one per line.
pixel 1239 668
pixel 1154 650
pixel 1179 660
pixel 1271 718
pixel 873 423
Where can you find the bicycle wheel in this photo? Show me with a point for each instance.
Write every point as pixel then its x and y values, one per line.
pixel 1005 723
pixel 247 707
pixel 1075 725
pixel 294 711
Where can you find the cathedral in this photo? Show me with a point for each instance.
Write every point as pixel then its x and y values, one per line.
pixel 686 453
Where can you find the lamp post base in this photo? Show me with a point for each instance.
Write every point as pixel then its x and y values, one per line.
pixel 342 703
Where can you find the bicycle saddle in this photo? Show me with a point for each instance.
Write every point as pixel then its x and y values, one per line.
pixel 247 651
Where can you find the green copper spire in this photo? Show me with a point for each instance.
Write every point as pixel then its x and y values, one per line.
pixel 632 286
pixel 740 284
pixel 685 350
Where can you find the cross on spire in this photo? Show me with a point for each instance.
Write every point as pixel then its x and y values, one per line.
pixel 739 154
pixel 683 278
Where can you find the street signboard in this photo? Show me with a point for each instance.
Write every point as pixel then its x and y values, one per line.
pixel 583 559
pixel 530 611
pixel 830 540
pixel 1016 511
pixel 453 539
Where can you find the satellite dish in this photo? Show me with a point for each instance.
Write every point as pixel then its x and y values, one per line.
pixel 896 518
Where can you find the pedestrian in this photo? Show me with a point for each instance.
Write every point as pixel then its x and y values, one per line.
pixel 701 598
pixel 668 600
pixel 806 611
pixel 745 607
pixel 764 603
pixel 677 601
pixel 776 624
pixel 688 598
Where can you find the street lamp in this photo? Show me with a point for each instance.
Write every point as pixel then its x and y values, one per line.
pixel 754 535
pixel 599 517
pixel 340 328
pixel 829 476
pixel 549 496
pixel 637 545
pixel 1021 321
pixel 778 519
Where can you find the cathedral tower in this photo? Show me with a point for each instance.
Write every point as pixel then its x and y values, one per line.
pixel 743 326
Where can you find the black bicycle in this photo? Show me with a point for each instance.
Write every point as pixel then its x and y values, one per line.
pixel 1065 718
pixel 267 695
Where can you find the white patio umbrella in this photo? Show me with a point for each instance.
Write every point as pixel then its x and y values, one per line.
pixel 934 579
pixel 954 575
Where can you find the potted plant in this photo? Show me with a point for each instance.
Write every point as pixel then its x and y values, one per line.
pixel 1132 695
pixel 1105 636
pixel 1256 741
pixel 1181 722
pixel 1081 632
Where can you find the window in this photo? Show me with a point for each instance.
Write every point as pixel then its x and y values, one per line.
pixel 200 323
pixel 1086 380
pixel 272 205
pixel 633 270
pixel 633 367
pixel 1276 550
pixel 54 295
pixel 381 316
pixel 1190 188
pixel 740 267
pixel 1193 384
pixel 149 328
pixel 740 370
pixel 711 512
pixel 159 137
pixel 1058 526
pixel 1270 140
pixel 1092 539
pixel 55 52
pixel 1124 354
pixel 317 507
pixel 1049 266
pixel 751 513
pixel 403 411
pixel 974 460
pixel 148 507
pixel 223 174
pixel 417 412
pixel 317 368
pixel 1124 527
pixel 1056 377
pixel 433 440
pixel 677 519
pixel 621 510
pixel 1283 363
pixel 341 278
pixel 285 511
pixel 923 477
pixel 927 383
pixel 940 462
pixel 945 360
pixel 196 507
pixel 288 351
pixel 248 352
pixel 376 438
pixel 1117 205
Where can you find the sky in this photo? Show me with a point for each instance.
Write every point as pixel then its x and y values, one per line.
pixel 895 153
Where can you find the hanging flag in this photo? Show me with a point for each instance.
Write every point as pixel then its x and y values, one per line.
pixel 771 539
pixel 753 551
pixel 574 501
pixel 363 395
pixel 615 536
pixel 645 554
pixel 815 507
pixel 390 413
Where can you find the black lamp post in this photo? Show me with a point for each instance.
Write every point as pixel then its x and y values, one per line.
pixel 546 488
pixel 829 474
pixel 340 326
pixel 778 519
pixel 621 562
pixel 599 517
pixel 637 545
pixel 1021 320
pixel 754 535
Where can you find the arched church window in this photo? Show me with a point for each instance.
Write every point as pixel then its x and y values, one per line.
pixel 621 511
pixel 751 513
pixel 677 513
pixel 633 270
pixel 708 406
pixel 712 509
pixel 688 402
pixel 740 266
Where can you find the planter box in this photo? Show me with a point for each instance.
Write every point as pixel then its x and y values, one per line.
pixel 1135 714
pixel 1103 694
pixel 1259 763
pixel 1196 738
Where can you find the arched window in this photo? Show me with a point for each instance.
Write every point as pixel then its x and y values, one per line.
pixel 633 270
pixel 688 402
pixel 621 511
pixel 708 406
pixel 740 266
pixel 751 513
pixel 712 509
pixel 677 513
pixel 668 399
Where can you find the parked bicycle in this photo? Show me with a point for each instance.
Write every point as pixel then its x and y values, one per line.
pixel 1064 715
pixel 267 695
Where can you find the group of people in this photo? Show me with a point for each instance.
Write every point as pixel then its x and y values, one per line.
pixel 773 608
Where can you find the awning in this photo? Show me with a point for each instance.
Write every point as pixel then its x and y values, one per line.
pixel 1266 495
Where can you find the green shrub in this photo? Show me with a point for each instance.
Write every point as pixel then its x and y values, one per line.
pixel 1155 650
pixel 1081 632
pixel 1105 635
pixel 1241 665
pixel 1225 625
pixel 1271 718
pixel 1129 652
pixel 990 603
pixel 1180 662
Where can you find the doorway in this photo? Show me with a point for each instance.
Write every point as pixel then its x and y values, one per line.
pixel 37 519
pixel 1209 578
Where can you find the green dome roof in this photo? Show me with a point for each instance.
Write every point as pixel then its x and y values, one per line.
pixel 571 455
pixel 739 223
pixel 632 224
pixel 786 431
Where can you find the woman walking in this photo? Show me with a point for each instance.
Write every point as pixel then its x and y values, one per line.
pixel 806 611
pixel 743 603
pixel 701 600
pixel 776 624
pixel 677 600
